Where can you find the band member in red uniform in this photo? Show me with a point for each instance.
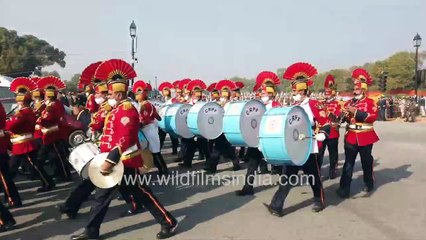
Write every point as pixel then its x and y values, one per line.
pixel 86 80
pixel 178 92
pixel 98 119
pixel 148 116
pixel 236 96
pixel 38 107
pixel 265 81
pixel 300 74
pixel 165 88
pixel 221 146
pixel 214 93
pixel 361 113
pixel 49 122
pixel 120 141
pixel 24 148
pixel 183 85
pixel 333 111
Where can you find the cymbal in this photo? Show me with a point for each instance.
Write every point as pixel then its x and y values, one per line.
pixel 100 180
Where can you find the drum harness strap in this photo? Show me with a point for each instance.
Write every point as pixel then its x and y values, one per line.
pixel 50 129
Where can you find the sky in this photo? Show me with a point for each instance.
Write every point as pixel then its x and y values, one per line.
pixel 213 40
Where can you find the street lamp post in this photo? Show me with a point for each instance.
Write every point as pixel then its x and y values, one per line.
pixel 417 41
pixel 133 36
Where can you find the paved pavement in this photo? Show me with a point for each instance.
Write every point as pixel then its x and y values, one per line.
pixel 396 210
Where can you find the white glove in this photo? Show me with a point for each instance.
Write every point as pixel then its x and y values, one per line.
pixel 320 137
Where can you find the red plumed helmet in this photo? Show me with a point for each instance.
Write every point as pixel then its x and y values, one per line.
pixel 362 75
pixel 212 87
pixel 165 85
pixel 329 82
pixel 239 85
pixel 114 70
pixel 267 78
pixel 140 86
pixel 176 84
pixel 300 71
pixel 22 85
pixel 88 74
pixel 196 84
pixel 51 82
pixel 183 84
pixel 225 85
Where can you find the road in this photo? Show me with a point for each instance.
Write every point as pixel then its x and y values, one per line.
pixel 396 210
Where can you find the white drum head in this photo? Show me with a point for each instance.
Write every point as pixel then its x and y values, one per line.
pixel 250 122
pixel 210 120
pixel 100 180
pixel 157 104
pixel 81 155
pixel 297 124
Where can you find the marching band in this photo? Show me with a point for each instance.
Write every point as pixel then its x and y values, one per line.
pixel 129 133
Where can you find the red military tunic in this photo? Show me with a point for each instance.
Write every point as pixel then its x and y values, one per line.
pixel 148 113
pixel 121 132
pixel 333 110
pixel 22 125
pixel 272 104
pixel 360 129
pixel 4 139
pixel 91 104
pixel 39 107
pixel 50 120
pixel 98 119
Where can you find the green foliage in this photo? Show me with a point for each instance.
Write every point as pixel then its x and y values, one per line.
pixel 72 84
pixel 20 55
pixel 400 67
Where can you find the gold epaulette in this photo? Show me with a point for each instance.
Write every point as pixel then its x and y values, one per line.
pixel 127 105
pixel 107 107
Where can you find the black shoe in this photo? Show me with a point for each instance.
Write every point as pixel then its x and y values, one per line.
pixel 277 213
pixel 132 212
pixel 317 206
pixel 332 174
pixel 13 205
pixel 8 226
pixel 174 152
pixel 64 210
pixel 236 168
pixel 83 236
pixel 368 188
pixel 261 172
pixel 210 171
pixel 342 193
pixel 184 165
pixel 166 231
pixel 245 192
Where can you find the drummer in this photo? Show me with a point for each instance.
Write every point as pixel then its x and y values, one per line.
pixel 214 93
pixel 178 92
pixel 183 84
pixel 300 74
pixel 221 146
pixel 165 89
pixel 148 116
pixel 236 96
pixel 123 123
pixel 266 83
pixel 189 145
pixel 333 110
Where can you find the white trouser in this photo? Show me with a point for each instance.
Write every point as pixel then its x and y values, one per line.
pixel 151 133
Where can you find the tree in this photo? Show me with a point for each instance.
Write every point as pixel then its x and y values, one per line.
pixel 72 84
pixel 54 73
pixel 20 55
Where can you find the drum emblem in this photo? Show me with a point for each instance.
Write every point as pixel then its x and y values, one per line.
pixel 252 110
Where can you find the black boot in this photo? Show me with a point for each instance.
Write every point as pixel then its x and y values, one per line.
pixel 246 191
pixel 166 231
pixel 343 193
pixel 162 168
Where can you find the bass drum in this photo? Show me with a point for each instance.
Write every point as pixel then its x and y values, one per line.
pixel 173 120
pixel 282 136
pixel 241 122
pixel 81 156
pixel 205 119
pixel 157 104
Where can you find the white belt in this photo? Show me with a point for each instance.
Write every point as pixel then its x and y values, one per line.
pixel 131 149
pixel 360 127
pixel 50 129
pixel 2 133
pixel 21 138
